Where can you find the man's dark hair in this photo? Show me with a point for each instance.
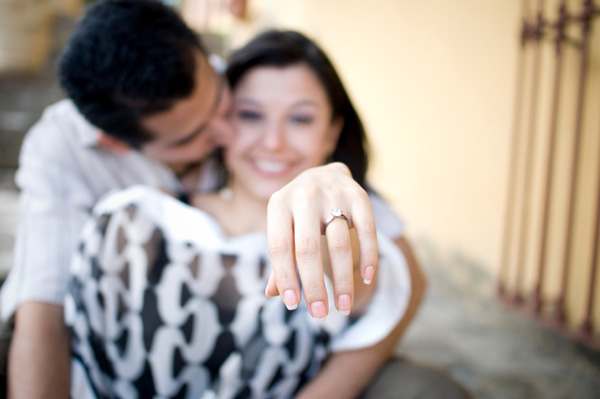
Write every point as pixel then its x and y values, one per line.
pixel 285 48
pixel 128 59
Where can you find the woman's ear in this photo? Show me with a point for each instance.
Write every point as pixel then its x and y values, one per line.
pixel 112 144
pixel 333 134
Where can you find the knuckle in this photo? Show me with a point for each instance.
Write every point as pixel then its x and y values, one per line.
pixel 276 199
pixel 285 278
pixel 343 280
pixel 306 248
pixel 368 228
pixel 308 194
pixel 342 167
pixel 312 290
pixel 278 248
pixel 359 195
pixel 344 286
pixel 338 245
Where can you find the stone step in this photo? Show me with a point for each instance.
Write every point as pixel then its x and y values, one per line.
pixel 24 95
pixel 9 213
pixel 22 101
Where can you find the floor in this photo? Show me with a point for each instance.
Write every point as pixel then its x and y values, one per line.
pixel 495 352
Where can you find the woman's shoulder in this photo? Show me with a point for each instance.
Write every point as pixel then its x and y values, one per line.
pixel 386 219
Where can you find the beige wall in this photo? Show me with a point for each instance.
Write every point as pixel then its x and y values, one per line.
pixel 434 82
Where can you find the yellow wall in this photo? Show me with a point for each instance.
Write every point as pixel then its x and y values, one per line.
pixel 434 82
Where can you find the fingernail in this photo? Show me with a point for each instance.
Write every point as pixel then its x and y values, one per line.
pixel 344 304
pixel 318 310
pixel 290 299
pixel 369 273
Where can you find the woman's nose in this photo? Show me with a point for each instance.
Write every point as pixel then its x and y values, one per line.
pixel 273 137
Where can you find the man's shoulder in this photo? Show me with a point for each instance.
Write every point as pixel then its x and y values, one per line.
pixel 64 111
pixel 62 122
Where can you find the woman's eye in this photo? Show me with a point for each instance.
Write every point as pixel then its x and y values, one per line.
pixel 247 115
pixel 302 119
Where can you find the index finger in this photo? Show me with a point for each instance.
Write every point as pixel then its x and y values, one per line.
pixel 283 279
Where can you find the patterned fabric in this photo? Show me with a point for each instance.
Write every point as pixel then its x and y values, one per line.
pixel 161 304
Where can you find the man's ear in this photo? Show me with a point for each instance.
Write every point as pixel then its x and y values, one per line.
pixel 112 144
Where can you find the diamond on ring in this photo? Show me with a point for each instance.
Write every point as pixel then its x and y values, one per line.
pixel 337 214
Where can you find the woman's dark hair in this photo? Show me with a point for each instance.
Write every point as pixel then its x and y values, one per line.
pixel 128 59
pixel 284 48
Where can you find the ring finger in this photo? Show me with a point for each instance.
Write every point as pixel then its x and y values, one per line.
pixel 341 263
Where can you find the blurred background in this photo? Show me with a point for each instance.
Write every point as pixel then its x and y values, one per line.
pixel 484 120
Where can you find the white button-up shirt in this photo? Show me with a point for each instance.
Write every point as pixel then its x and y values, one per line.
pixel 62 174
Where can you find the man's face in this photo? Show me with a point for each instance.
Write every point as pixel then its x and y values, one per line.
pixel 194 126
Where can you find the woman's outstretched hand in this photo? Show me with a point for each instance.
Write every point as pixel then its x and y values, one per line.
pixel 297 217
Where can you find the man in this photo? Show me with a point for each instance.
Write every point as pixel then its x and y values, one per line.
pixel 145 107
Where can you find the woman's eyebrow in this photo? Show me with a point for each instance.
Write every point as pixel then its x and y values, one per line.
pixel 311 103
pixel 303 102
pixel 247 100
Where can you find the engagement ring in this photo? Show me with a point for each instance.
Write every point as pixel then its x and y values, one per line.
pixel 335 214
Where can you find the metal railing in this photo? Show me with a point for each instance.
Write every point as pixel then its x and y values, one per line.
pixel 526 279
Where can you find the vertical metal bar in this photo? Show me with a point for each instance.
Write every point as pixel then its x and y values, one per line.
pixel 511 194
pixel 529 154
pixel 586 23
pixel 587 325
pixel 546 200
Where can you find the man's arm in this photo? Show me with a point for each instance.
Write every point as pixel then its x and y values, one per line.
pixel 39 357
pixel 54 199
pixel 347 374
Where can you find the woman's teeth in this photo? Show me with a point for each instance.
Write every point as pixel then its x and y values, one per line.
pixel 271 167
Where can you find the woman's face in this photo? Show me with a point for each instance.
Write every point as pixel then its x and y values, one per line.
pixel 282 123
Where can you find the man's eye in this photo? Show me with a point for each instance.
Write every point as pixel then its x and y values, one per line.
pixel 249 115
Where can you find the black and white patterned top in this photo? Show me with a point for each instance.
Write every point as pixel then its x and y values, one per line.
pixel 162 304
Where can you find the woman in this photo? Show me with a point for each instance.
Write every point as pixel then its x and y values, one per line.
pixel 168 301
